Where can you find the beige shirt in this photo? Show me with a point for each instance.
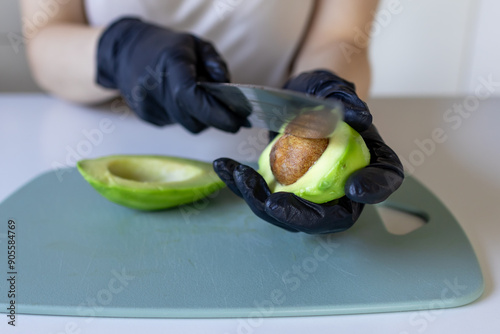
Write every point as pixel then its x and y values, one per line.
pixel 257 38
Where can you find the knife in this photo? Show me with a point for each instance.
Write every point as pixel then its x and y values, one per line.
pixel 279 110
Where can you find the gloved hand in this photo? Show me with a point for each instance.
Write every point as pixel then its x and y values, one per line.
pixel 369 185
pixel 156 71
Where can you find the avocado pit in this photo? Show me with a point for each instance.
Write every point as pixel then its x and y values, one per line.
pixel 292 156
pixel 317 124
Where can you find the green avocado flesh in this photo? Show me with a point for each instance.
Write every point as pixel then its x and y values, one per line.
pixel 147 182
pixel 324 181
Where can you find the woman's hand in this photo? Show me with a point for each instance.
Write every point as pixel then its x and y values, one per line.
pixel 157 70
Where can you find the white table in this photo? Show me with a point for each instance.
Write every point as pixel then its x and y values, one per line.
pixel 454 153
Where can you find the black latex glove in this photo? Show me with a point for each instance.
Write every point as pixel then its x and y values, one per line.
pixel 156 71
pixel 369 185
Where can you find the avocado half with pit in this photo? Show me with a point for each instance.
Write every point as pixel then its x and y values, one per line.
pixel 314 169
pixel 148 182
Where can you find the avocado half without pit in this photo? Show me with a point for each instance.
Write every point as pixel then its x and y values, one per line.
pixel 315 169
pixel 150 182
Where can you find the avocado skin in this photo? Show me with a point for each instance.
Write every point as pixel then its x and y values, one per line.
pixel 325 180
pixel 151 195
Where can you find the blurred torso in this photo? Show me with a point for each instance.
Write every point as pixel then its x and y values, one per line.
pixel 257 38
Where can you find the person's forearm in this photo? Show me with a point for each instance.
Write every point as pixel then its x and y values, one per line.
pixel 332 41
pixel 63 62
pixel 354 67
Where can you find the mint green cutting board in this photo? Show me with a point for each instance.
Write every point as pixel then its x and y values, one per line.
pixel 78 254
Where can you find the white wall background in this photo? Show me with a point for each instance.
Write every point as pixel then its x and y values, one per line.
pixel 435 47
pixel 419 47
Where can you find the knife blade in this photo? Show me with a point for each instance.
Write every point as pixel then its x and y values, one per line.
pixel 280 110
